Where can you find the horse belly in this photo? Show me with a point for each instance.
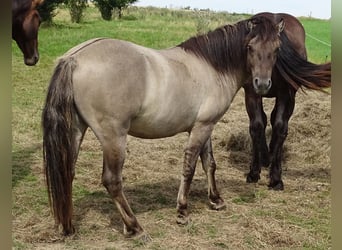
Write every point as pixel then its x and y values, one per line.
pixel 154 125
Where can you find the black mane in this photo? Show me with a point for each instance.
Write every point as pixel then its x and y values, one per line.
pixel 225 47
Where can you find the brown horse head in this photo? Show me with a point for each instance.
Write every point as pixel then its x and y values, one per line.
pixel 25 25
pixel 262 45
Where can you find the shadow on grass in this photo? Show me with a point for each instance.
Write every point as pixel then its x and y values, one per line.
pixel 141 197
pixel 149 197
pixel 22 160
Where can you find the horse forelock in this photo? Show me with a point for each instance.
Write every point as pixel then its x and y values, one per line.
pixel 263 29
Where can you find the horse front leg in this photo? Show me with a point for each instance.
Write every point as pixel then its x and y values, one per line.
pixel 209 167
pixel 279 119
pixel 258 121
pixel 198 137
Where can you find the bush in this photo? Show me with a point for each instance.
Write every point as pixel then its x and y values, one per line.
pixel 47 10
pixel 106 7
pixel 76 8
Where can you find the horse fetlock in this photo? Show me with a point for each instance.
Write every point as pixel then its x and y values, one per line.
pixel 252 177
pixel 265 161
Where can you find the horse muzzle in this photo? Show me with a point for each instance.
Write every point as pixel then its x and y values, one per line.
pixel 262 85
pixel 31 61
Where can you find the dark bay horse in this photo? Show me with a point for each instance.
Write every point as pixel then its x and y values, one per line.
pixel 118 88
pixel 288 76
pixel 25 25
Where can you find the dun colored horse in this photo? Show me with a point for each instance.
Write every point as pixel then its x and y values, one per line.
pixel 284 89
pixel 118 88
pixel 25 25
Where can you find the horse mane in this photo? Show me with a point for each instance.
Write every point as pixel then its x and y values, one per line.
pixel 299 72
pixel 225 47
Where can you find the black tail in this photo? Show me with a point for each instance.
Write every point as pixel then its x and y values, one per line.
pixel 58 146
pixel 299 72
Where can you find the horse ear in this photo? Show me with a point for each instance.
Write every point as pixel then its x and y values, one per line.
pixel 250 25
pixel 36 3
pixel 281 26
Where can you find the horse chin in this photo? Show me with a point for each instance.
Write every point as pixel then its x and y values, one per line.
pixel 262 91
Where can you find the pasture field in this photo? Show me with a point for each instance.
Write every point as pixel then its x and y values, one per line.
pixel 255 218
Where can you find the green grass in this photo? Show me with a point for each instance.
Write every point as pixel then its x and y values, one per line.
pixel 318 51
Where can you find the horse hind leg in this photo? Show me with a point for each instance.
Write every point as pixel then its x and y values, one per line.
pixel 79 128
pixel 113 160
pixel 209 167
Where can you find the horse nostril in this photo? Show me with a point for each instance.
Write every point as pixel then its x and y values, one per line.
pixel 36 58
pixel 256 81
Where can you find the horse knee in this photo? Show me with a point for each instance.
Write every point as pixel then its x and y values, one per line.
pixel 280 129
pixel 256 128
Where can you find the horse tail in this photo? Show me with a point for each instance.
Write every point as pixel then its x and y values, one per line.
pixel 58 142
pixel 299 72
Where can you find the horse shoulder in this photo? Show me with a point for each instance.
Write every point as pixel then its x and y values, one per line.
pixel 207 91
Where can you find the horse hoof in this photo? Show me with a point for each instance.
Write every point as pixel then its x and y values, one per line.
pixel 183 220
pixel 220 205
pixel 134 232
pixel 278 186
pixel 251 178
pixel 69 231
pixel 142 237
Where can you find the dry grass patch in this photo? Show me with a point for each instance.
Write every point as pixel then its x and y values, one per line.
pixel 255 218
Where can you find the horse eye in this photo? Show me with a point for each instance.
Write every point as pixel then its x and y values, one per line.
pixel 249 48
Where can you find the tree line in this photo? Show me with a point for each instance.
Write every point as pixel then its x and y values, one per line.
pixel 76 8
